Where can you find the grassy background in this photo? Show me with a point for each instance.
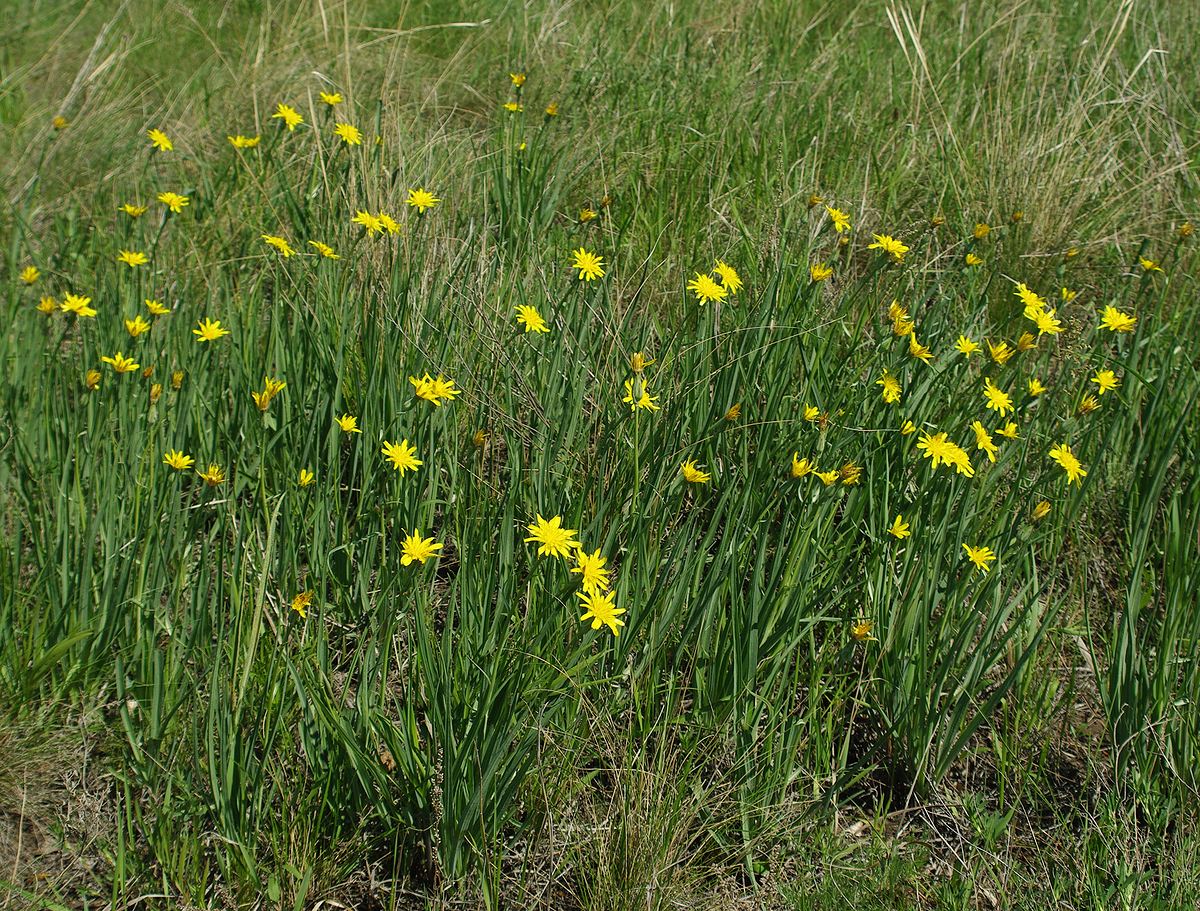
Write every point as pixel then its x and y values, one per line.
pixel 178 737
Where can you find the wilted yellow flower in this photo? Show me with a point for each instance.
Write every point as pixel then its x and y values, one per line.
pixel 1069 462
pixel 892 246
pixel 416 549
pixel 860 631
pixel 692 474
pixel 554 540
pixel 1026 342
pixel 176 379
pixel 47 305
pixel 639 362
pixel 402 456
pixel 59 122
pixel 289 115
pixel 980 556
pixel 348 133
pixel 1088 404
pixel 160 141
pixel 733 412
pixel 271 388
pixel 301 603
pixel 1017 216
pixel 938 220
pixel 850 473
pixel 92 380
pixel 120 363
pixel 552 109
pixel 819 272
pixel 173 201
pixel 907 428
pixel 177 460
pixel 530 318
pixel 1186 230
pixel 479 438
pixel 1001 353
pixel 814 200
pixel 421 200
pixel 1068 295
pixel 588 264
pixel 1040 511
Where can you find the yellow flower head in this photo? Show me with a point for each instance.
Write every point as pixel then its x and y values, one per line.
pixel 301 603
pixel 213 475
pixel 973 260
pixel 518 79
pixel 589 265
pixel 209 330
pixel 305 477
pixel 900 528
pixel 599 608
pixel 289 115
pixel 637 395
pixel 132 258
pixel 1035 387
pixel 1009 431
pixel 997 399
pixel 324 249
pixel 177 460
pixel 92 380
pixel 416 549
pixel 707 290
pixel 692 474
pixel 1114 320
pixel 1105 380
pixel 1149 265
pixel 980 556
pixel 586 214
pixel 1068 462
pixel 917 350
pixel 348 423
pixel 733 412
pixel 30 274
pixel 861 630
pixel 279 243
pixel 47 305
pixel 729 277
pixel 891 387
pixel 348 133
pixel 121 364
pixel 402 456
pixel 590 568
pixel 892 246
pixel 173 201
pixel 156 308
pixel 819 272
pixel 554 540
pixel 941 450
pixel 981 231
pixel 532 320
pixel 136 326
pixel 243 142
pixel 421 200
pixel 966 346
pixel 1000 353
pixel 133 211
pixel 840 219
pixel 368 221
pixel 434 390
pixel 1088 404
pixel 79 305
pixel 160 140
pixel 1040 511
pixel 331 98
pixel 983 441
pixel 801 467
pixel 552 109
pixel 850 473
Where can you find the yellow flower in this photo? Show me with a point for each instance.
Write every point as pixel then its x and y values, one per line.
pixel 209 330
pixel 133 211
pixel 348 133
pixel 416 549
pixel 156 308
pixel 1008 431
pixel 388 223
pixel 1071 253
pixel 973 260
pixel 289 115
pixel 518 79
pixel 305 478
pixel 30 274
pixel 60 122
pixel 173 201
pixel 860 631
pixel 1017 217
pixel 1031 299
pixel 348 423
pixel 1046 323
pixel 324 249
pixel 243 142
pixel 801 467
pixel 176 379
pixel 137 326
pixel 479 438
pixel 120 363
pixel 1000 353
pixel 815 200
pixel 819 272
pixel 92 380
pixel 589 264
pixel 966 346
pixel 997 399
pixel 889 245
pixel 733 412
pixel 981 231
pixel 155 393
pixel 213 476
pixel 940 449
pixel 1088 404
pixel 641 397
pixel 850 473
pixel 900 528
pixel 160 141
pixel 599 608
pixel 840 219
pixel 132 258
pixel 1035 387
pixel 368 221
pixel 917 350
pixel 591 571
pixel 729 277
pixel 552 109
pixel 1040 511
pixel 983 441
pixel 1149 265
pixel 79 305
pixel 811 413
pixel 271 388
pixel 555 540
pixel 47 305
pixel 901 324
pixel 586 215
pixel 827 477
pixel 891 387
pixel 279 243
pixel 331 98
pixel 402 456
pixel 706 289
pixel 980 556
pixel 692 473
pixel 1026 342
pixel 1068 295
pixel 434 390
pixel 1186 230
pixel 639 362
pixel 301 603
pixel 938 220
pixel 421 199
pixel 513 107
pixel 908 427
pixel 1069 462
pixel 531 319
pixel 1114 320
pixel 1105 380
pixel 177 460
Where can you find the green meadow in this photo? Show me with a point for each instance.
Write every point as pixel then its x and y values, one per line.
pixel 599 456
